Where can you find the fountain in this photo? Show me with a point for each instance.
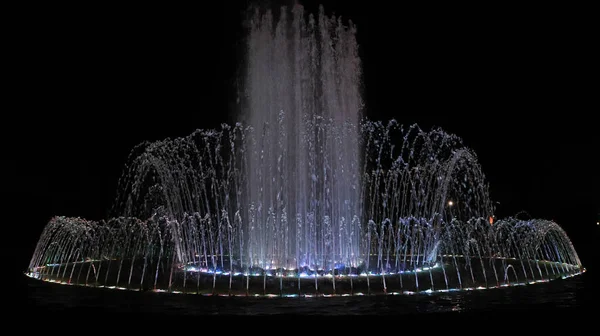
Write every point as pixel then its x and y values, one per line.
pixel 304 197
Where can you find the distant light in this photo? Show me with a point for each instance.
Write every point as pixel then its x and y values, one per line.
pixel 450 203
pixel 597 223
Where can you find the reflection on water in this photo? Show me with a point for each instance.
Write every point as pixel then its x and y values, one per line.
pixel 567 294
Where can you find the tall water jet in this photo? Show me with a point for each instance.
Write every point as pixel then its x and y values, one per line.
pixel 303 164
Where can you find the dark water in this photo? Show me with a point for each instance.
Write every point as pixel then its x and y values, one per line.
pixel 560 300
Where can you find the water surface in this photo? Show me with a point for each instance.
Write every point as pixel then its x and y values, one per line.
pixel 564 299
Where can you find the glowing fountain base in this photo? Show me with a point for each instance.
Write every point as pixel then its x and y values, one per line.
pixel 450 273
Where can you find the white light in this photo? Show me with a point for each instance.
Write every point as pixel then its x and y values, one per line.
pixel 450 203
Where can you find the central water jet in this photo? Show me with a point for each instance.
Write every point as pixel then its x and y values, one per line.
pixel 303 165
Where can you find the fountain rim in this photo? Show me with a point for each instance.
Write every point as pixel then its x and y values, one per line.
pixel 429 291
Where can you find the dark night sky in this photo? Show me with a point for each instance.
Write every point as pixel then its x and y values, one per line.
pixel 93 82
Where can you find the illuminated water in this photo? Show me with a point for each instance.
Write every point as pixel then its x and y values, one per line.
pixel 303 197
